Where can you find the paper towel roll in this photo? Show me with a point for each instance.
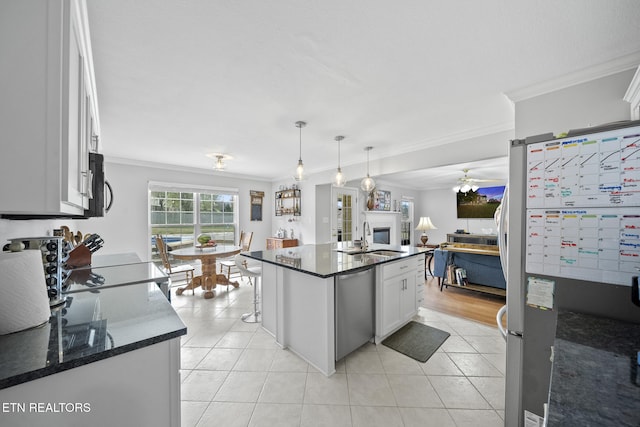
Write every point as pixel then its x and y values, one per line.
pixel 23 294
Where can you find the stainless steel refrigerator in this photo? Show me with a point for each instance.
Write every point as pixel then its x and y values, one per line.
pixel 569 239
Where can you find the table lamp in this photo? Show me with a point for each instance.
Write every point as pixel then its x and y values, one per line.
pixel 424 225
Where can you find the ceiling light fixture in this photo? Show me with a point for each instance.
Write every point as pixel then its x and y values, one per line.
pixel 465 184
pixel 339 180
pixel 299 176
pixel 368 184
pixel 219 164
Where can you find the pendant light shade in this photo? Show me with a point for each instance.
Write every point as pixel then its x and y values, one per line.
pixel 368 184
pixel 299 176
pixel 339 180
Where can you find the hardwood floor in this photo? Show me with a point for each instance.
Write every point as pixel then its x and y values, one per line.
pixel 463 303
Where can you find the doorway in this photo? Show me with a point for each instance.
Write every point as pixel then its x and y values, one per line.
pixel 345 214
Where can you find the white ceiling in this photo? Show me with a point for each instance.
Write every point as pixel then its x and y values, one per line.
pixel 178 79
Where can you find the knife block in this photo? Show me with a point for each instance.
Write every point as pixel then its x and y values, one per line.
pixel 80 256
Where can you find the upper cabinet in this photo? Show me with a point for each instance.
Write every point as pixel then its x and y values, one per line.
pixel 49 110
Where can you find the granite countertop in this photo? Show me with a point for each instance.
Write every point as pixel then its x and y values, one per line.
pixel 102 276
pixel 595 378
pixel 94 324
pixel 326 260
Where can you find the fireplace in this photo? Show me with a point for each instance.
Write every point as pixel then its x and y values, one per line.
pixel 384 226
pixel 382 235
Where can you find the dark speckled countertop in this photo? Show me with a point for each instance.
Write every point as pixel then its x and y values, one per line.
pixel 330 259
pixel 595 379
pixel 97 322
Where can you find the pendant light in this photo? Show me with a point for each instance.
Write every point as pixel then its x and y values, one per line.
pixel 339 180
pixel 368 184
pixel 299 176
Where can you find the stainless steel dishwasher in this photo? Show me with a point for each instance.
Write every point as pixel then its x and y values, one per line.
pixel 355 310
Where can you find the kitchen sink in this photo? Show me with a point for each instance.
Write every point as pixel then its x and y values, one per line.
pixel 380 252
pixel 386 252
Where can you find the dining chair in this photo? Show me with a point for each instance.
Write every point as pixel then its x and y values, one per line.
pixel 230 263
pixel 168 268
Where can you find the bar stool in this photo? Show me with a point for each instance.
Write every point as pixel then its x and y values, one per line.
pixel 250 272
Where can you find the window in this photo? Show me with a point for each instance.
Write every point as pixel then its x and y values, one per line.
pixel 406 222
pixel 180 215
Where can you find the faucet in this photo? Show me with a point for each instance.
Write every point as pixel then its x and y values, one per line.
pixel 366 231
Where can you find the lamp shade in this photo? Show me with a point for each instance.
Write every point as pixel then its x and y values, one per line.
pixel 426 224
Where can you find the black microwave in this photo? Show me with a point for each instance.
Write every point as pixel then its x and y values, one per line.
pixel 101 191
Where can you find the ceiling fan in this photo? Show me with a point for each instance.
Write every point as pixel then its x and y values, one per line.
pixel 466 184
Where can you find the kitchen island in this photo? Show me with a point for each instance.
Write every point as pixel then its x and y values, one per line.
pixel 109 356
pixel 323 301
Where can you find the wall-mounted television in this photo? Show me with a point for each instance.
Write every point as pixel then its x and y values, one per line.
pixel 481 203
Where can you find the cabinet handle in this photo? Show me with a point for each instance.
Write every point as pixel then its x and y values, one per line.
pixel 94 143
pixel 404 267
pixel 88 184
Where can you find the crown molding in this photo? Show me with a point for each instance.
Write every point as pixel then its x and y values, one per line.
pixel 633 96
pixel 179 168
pixel 608 68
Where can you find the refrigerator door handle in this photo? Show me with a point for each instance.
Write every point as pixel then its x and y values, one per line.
pixel 501 313
pixel 503 230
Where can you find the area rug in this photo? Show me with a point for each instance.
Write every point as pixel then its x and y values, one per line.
pixel 417 340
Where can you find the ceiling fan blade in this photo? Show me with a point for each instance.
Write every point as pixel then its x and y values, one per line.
pixel 484 180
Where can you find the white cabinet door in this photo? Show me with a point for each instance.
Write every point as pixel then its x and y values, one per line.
pixel 48 100
pixel 76 145
pixel 397 295
pixel 408 297
pixel 391 291
pixel 75 158
pixel 420 278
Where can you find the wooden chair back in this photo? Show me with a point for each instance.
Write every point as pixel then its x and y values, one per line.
pixel 245 240
pixel 162 251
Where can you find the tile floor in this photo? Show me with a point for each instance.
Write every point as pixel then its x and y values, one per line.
pixel 234 374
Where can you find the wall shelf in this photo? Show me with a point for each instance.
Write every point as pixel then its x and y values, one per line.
pixel 288 202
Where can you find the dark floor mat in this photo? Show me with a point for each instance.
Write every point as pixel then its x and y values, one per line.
pixel 417 340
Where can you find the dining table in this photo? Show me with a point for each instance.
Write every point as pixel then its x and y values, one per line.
pixel 207 255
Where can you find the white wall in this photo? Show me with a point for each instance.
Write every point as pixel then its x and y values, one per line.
pixel 588 104
pixel 440 205
pixel 468 150
pixel 126 227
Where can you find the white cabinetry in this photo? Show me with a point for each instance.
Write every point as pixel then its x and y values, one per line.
pixel 396 301
pixel 48 114
pixel 420 266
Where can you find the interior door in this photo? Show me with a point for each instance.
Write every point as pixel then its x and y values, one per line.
pixel 344 214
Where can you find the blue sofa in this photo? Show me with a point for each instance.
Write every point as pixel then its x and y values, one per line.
pixel 481 269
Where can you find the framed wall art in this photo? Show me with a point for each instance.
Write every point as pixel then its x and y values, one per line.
pixel 382 200
pixel 256 205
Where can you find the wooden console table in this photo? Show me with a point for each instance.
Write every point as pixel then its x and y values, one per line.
pixel 278 243
pixel 487 275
